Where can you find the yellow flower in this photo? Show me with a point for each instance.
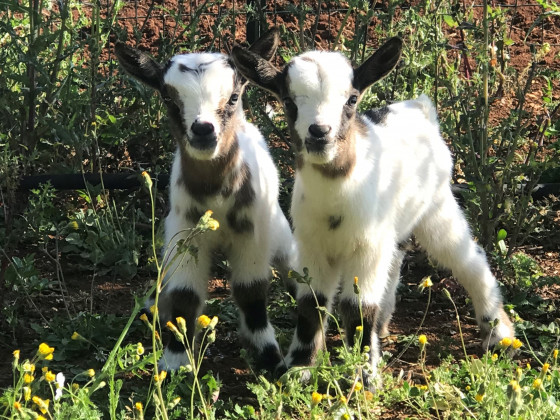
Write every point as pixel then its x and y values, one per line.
pixel 316 398
pixel 356 280
pixel 153 309
pixel 213 224
pixel 76 336
pixel 537 383
pixel 139 407
pixel 422 340
pixel 358 386
pixel 49 376
pixel 45 351
pixel 359 328
pixel 345 416
pixel 26 393
pixel 147 179
pixel 182 324
pixel 139 349
pixel 494 357
pixel 17 405
pixel 16 354
pixel 545 368
pixel 515 385
pixel 42 404
pixel 516 344
pixel 75 387
pixel 343 399
pixel 505 342
pixel 427 283
pixel 468 387
pixel 40 418
pixel 175 331
pixel 91 373
pixel 479 397
pixel 28 367
pixel 555 354
pixel 161 376
pixel 28 378
pixel 203 321
pixel 528 366
pixel 144 317
pixel 368 395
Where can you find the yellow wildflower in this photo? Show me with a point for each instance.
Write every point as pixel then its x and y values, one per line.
pixel 91 373
pixel 28 367
pixel 75 387
pixel 139 349
pixel 346 416
pixel 537 383
pixel 139 407
pixel 153 309
pixel 545 368
pixel 49 376
pixel 147 179
pixel 28 378
pixel 182 324
pixel 505 342
pixel 343 399
pixel 358 386
pixel 43 405
pixel 26 393
pixel 427 283
pixel 468 387
pixel 528 366
pixel 203 321
pixel 316 398
pixel 479 397
pixel 422 340
pixel 161 376
pixel 368 395
pixel 75 336
pixel 40 418
pixel 356 280
pixel 16 354
pixel 359 328
pixel 144 317
pixel 516 344
pixel 213 224
pixel 555 354
pixel 515 385
pixel 17 405
pixel 45 351
pixel 494 357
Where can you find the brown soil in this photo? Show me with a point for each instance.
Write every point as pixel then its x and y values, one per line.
pixel 103 295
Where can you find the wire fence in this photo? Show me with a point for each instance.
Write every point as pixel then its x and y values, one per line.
pixel 217 24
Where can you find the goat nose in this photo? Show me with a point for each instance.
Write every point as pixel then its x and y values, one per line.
pixel 318 130
pixel 202 128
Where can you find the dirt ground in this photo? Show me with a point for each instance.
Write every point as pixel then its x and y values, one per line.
pixel 223 356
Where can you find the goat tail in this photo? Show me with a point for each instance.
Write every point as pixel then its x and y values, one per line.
pixel 428 108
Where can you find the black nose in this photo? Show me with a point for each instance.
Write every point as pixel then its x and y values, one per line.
pixel 202 128
pixel 319 131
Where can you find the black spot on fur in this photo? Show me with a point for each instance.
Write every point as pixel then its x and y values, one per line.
pixel 193 215
pixel 302 356
pixel 309 317
pixel 352 318
pixel 377 116
pixel 184 303
pixel 268 358
pixel 244 197
pixel 335 222
pixel 251 299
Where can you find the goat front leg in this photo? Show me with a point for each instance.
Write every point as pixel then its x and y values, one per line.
pixel 309 335
pixel 250 283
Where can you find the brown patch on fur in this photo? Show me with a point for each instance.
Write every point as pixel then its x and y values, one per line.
pixel 244 197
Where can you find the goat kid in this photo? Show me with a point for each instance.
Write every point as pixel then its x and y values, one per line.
pixel 221 163
pixel 364 184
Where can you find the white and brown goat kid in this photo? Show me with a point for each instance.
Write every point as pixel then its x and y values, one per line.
pixel 222 163
pixel 364 184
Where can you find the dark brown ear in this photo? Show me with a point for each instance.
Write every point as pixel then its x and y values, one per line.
pixel 267 44
pixel 378 65
pixel 140 65
pixel 256 69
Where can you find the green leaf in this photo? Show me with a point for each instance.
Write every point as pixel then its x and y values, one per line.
pixel 448 19
pixel 502 234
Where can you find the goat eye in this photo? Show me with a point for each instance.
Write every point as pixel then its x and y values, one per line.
pixel 353 100
pixel 233 99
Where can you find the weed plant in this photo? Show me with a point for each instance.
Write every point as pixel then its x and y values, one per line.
pixel 73 114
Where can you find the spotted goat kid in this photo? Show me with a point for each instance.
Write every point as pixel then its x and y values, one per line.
pixel 221 163
pixel 364 184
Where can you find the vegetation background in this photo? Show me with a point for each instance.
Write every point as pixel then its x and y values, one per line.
pixel 76 263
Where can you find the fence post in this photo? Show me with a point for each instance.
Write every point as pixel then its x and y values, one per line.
pixel 256 22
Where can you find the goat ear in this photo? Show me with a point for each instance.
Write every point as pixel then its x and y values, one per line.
pixel 256 69
pixel 379 64
pixel 140 65
pixel 267 44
